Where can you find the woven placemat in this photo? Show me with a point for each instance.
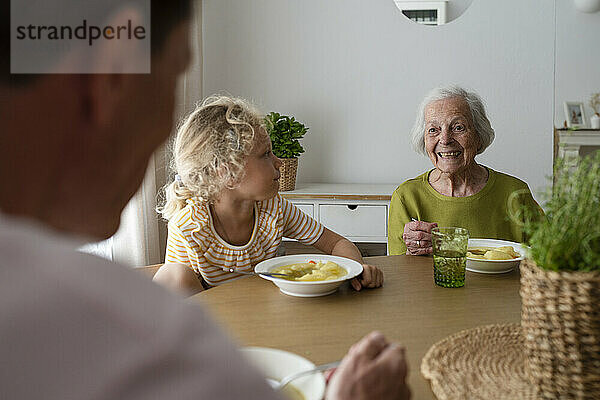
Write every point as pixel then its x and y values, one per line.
pixel 487 362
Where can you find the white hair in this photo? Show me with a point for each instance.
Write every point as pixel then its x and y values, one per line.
pixel 481 123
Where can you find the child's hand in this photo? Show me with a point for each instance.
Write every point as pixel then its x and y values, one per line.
pixel 371 277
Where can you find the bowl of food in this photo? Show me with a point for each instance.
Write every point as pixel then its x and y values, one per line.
pixel 493 256
pixel 276 364
pixel 309 275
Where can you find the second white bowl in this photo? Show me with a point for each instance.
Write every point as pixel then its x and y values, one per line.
pixel 277 364
pixel 494 266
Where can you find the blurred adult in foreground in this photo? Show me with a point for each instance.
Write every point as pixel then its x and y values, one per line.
pixel 451 128
pixel 74 149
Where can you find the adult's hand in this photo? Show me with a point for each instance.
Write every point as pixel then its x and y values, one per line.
pixel 372 369
pixel 417 237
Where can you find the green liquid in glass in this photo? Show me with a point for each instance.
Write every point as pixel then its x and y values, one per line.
pixel 449 268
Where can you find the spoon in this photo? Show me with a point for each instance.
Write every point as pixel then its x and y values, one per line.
pixel 273 274
pixel 278 385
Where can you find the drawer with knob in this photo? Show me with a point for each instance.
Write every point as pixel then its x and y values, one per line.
pixel 355 219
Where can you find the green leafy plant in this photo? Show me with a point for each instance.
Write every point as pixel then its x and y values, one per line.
pixel 285 132
pixel 568 237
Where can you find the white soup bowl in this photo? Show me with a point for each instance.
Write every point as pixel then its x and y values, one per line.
pixel 306 288
pixel 494 266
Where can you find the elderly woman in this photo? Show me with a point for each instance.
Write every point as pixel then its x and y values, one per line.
pixel 451 129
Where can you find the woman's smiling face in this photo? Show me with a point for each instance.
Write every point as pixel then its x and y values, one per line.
pixel 450 138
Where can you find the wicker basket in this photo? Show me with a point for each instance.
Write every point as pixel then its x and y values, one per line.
pixel 560 318
pixel 483 363
pixel 288 170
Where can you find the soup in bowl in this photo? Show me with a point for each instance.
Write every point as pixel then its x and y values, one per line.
pixel 311 275
pixel 311 271
pixel 494 256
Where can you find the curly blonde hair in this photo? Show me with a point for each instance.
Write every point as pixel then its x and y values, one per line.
pixel 209 151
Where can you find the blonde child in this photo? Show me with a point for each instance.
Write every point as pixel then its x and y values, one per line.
pixel 223 208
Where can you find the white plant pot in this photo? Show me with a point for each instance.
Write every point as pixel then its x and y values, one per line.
pixel 595 121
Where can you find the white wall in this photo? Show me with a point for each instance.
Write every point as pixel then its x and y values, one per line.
pixel 354 71
pixel 456 8
pixel 577 58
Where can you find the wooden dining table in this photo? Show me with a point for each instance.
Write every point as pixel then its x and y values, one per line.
pixel 409 309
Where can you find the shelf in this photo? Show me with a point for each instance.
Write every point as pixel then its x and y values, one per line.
pixel 341 191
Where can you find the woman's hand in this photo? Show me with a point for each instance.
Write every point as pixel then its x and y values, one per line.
pixel 371 277
pixel 372 369
pixel 417 237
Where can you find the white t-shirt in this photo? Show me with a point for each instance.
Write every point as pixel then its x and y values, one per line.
pixel 73 326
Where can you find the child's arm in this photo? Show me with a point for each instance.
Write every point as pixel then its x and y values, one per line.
pixel 177 274
pixel 334 244
pixel 179 278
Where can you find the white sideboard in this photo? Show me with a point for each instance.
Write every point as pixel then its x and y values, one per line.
pixel 570 142
pixel 358 212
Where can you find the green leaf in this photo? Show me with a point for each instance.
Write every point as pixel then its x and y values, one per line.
pixel 568 236
pixel 284 132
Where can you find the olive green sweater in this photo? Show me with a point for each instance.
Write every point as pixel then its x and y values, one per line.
pixel 484 214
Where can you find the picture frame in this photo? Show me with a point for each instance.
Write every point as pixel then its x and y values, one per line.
pixel 575 114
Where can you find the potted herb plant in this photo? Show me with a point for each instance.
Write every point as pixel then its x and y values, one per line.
pixel 285 133
pixel 560 285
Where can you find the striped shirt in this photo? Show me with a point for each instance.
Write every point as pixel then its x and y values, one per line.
pixel 193 240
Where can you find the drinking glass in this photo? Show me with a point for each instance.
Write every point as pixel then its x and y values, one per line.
pixel 449 256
